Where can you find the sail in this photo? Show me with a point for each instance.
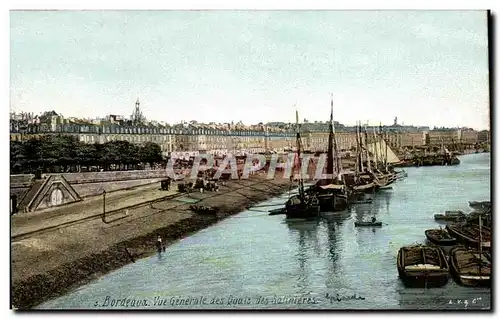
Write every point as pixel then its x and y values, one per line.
pixel 381 144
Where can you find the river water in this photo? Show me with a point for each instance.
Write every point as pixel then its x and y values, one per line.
pixel 252 260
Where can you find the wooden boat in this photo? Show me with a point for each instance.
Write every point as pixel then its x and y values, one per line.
pixel 450 216
pixel 301 205
pixel 440 237
pixel 331 197
pixel 470 268
pixel 469 235
pixel 385 182
pixel 365 188
pixel 331 192
pixel 277 211
pixel 367 224
pixel 422 266
pixel 483 204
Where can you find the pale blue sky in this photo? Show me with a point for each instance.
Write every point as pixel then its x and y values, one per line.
pixel 425 67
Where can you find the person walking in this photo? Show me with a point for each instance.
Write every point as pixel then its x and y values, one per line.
pixel 159 244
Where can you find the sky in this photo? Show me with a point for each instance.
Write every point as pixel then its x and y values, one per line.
pixel 425 67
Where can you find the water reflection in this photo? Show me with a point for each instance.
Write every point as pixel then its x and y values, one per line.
pixel 305 233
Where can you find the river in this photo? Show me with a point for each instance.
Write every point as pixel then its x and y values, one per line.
pixel 252 260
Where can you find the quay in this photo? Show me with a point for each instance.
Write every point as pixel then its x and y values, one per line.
pixel 57 250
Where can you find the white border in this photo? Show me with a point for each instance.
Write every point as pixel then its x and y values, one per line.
pixel 192 4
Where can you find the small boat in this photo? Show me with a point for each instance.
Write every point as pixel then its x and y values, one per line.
pixel 483 204
pixel 277 211
pixel 450 216
pixel 440 237
pixel 470 268
pixel 470 234
pixel 422 266
pixel 365 188
pixel 367 224
pixel 454 213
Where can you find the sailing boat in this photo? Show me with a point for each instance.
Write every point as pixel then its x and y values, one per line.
pixel 363 177
pixel 331 190
pixel 383 176
pixel 301 205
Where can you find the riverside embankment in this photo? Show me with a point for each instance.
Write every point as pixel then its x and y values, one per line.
pixel 49 260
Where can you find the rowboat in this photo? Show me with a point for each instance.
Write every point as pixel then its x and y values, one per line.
pixel 470 234
pixel 368 224
pixel 440 237
pixel 422 266
pixel 450 216
pixel 469 267
pixel 277 211
pixel 483 204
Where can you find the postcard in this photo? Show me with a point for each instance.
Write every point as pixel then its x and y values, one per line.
pixel 250 160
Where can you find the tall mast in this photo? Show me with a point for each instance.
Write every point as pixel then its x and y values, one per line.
pixel 375 146
pixel 336 154
pixel 301 183
pixel 366 150
pixel 380 143
pixel 359 166
pixel 480 244
pixel 330 156
pixel 361 147
pixel 385 142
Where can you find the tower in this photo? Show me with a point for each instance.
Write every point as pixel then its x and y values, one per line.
pixel 137 117
pixel 395 121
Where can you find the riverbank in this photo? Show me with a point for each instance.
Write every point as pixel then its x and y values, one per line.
pixel 51 263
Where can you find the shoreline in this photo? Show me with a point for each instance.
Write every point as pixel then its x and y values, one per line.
pixel 30 292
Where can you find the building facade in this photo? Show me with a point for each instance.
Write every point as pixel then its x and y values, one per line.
pixel 215 138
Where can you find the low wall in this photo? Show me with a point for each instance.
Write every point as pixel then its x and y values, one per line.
pixel 92 189
pixel 92 183
pixel 97 177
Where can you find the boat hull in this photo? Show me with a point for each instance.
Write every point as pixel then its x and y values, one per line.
pixel 439 241
pixel 368 224
pixel 423 278
pixel 332 203
pixel 466 279
pixel 302 212
pixel 466 239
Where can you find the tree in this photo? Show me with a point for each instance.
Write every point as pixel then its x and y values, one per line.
pixel 110 154
pixel 32 151
pixel 150 153
pixel 87 154
pixel 17 156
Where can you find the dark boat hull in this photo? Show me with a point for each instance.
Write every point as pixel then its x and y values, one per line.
pixel 302 211
pixel 461 278
pixel 423 278
pixel 368 224
pixel 466 239
pixel 277 211
pixel 439 241
pixel 332 203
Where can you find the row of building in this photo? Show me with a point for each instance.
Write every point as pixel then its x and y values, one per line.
pixel 229 137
